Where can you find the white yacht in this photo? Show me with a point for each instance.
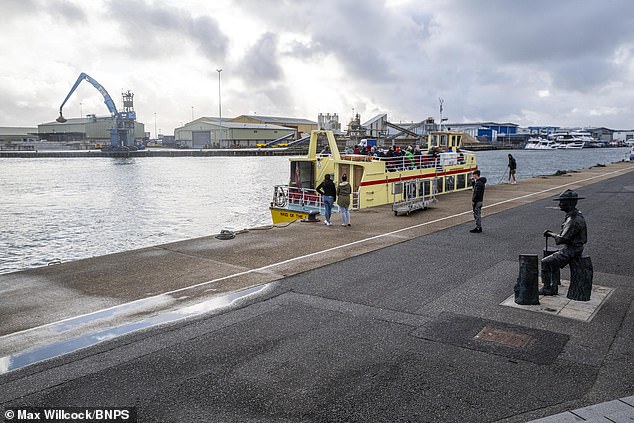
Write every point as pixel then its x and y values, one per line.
pixel 541 144
pixel 572 140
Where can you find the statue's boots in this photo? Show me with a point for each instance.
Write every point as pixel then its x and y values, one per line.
pixel 551 282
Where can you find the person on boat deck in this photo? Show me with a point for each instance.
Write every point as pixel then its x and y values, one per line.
pixel 512 169
pixel 328 192
pixel 344 189
pixel 477 198
pixel 409 156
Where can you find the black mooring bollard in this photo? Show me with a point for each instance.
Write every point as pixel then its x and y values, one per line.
pixel 527 286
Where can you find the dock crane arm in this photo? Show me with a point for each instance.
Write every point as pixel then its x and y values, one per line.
pixel 107 99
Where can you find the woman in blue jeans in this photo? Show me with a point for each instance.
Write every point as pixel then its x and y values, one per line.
pixel 328 192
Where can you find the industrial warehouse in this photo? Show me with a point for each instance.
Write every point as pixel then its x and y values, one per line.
pixel 120 132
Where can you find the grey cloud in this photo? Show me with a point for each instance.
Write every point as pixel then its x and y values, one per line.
pixel 573 41
pixel 58 9
pixel 148 25
pixel 16 8
pixel 365 37
pixel 260 62
pixel 542 29
pixel 67 11
pixel 269 100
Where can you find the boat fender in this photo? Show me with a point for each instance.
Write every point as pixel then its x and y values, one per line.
pixel 225 235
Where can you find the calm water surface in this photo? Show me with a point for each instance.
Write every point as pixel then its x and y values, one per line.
pixel 68 209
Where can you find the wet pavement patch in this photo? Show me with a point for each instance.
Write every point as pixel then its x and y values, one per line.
pixel 503 339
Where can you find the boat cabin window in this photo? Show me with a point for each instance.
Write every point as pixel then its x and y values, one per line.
pixel 455 141
pixel 302 174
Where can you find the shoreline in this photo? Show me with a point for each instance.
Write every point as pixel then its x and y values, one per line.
pixel 219 152
pixel 31 154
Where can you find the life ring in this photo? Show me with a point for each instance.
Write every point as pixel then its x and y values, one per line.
pixel 279 198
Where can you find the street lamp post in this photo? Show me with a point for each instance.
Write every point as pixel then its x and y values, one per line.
pixel 155 133
pixel 219 107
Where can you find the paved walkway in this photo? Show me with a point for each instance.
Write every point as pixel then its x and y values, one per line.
pixel 617 411
pixel 394 319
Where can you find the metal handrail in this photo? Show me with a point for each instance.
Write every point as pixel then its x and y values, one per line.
pixel 287 196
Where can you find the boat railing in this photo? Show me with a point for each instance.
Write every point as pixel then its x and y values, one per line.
pixel 304 198
pixel 284 196
pixel 424 161
pixel 417 161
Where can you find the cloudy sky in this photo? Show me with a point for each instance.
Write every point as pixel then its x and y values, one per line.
pixel 530 62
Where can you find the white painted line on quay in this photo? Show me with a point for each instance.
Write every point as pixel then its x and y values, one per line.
pixel 316 253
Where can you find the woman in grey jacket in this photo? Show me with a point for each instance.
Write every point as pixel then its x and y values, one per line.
pixel 344 189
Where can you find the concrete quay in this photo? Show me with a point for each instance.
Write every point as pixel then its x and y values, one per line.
pixel 384 321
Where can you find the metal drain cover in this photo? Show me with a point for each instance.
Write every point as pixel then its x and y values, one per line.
pixel 503 337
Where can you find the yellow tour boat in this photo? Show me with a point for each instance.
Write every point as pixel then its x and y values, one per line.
pixel 439 168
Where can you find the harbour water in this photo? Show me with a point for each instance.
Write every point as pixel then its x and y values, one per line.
pixel 58 210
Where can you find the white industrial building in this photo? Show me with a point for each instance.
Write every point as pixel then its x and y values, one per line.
pixel 207 132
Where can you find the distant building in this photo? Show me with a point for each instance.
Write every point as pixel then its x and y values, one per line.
pixel 14 138
pixel 624 136
pixel 207 132
pixel 484 131
pixel 301 126
pixel 376 127
pixel 542 131
pixel 89 132
pixel 601 134
pixel 329 122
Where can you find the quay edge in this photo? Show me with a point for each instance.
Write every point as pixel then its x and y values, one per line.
pixel 400 337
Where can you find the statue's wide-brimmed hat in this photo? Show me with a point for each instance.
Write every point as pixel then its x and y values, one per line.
pixel 568 195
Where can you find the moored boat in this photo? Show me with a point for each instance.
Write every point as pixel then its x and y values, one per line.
pixel 439 168
pixel 540 144
pixel 573 140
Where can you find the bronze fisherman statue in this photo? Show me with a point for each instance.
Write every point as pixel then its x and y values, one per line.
pixel 573 236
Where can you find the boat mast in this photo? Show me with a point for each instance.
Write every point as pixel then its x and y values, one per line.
pixel 441 103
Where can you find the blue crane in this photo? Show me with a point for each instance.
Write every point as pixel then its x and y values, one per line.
pixel 122 132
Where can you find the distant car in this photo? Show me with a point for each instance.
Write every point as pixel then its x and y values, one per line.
pixel 260 145
pixel 281 145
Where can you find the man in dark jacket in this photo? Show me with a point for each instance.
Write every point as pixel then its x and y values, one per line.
pixel 512 169
pixel 477 198
pixel 328 192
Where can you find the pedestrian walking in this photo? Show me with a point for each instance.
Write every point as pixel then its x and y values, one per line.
pixel 328 192
pixel 477 198
pixel 344 189
pixel 512 169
